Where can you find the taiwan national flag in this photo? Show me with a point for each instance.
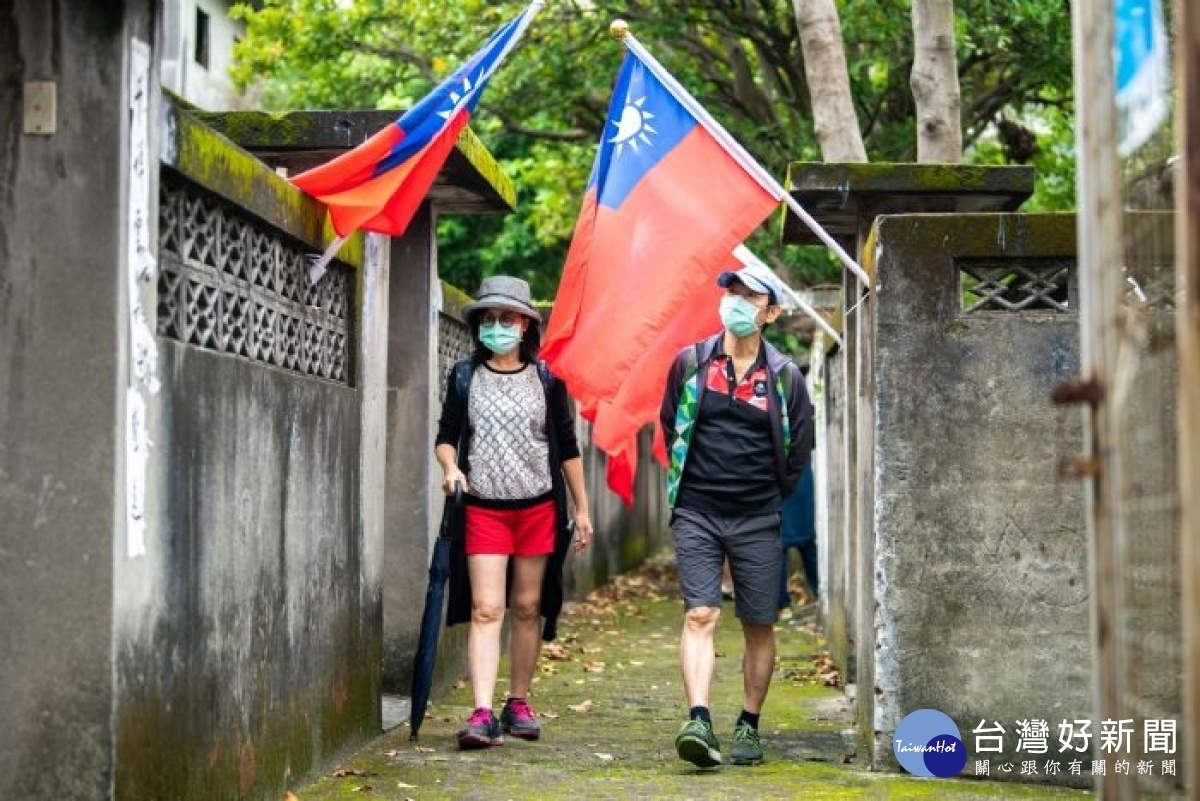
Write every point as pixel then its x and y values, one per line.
pixel 379 185
pixel 669 198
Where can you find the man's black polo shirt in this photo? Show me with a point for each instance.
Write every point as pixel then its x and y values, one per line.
pixel 730 468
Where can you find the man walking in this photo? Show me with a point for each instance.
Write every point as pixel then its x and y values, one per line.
pixel 738 427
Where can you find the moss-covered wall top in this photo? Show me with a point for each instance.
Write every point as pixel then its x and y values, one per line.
pixel 471 180
pixel 453 301
pixel 905 177
pixel 220 166
pixel 845 198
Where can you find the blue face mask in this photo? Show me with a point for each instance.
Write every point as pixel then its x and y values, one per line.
pixel 500 338
pixel 739 315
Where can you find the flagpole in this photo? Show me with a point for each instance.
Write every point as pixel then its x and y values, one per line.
pixel 747 257
pixel 527 16
pixel 620 30
pixel 811 312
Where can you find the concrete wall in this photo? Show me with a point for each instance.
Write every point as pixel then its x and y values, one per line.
pixel 61 229
pixel 246 653
pixel 832 533
pixel 413 484
pixel 980 584
pixel 248 613
pixel 210 630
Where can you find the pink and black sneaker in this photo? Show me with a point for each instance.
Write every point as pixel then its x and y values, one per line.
pixel 517 719
pixel 482 731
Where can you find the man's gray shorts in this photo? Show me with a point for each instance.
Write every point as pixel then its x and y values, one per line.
pixel 755 559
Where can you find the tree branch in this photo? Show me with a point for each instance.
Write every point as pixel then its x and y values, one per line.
pixel 510 125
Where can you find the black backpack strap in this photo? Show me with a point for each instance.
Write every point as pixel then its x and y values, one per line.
pixel 463 372
pixel 544 374
pixel 691 361
pixel 691 366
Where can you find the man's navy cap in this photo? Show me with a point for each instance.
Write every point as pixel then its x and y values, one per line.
pixel 755 278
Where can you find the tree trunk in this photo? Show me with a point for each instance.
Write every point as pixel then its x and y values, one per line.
pixel 745 90
pixel 834 118
pixel 935 82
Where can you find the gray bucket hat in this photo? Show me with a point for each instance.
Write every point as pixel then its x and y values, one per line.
pixel 503 292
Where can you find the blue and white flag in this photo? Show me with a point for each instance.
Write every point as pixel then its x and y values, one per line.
pixel 1143 82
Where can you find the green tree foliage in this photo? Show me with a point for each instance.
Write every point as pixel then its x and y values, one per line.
pixel 545 108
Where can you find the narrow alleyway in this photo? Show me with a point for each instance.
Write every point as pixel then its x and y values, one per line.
pixel 609 695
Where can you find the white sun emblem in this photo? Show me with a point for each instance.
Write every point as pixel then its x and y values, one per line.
pixel 457 99
pixel 634 126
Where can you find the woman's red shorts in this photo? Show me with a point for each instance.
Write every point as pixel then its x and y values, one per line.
pixel 519 532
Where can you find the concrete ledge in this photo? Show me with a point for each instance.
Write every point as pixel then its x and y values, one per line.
pixel 220 166
pixel 843 196
pixel 453 301
pixel 470 182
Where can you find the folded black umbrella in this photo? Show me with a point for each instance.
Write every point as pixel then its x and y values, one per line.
pixel 431 619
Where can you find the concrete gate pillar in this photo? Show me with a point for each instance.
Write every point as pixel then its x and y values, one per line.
pixel 846 199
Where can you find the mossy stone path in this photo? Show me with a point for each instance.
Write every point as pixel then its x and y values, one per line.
pixel 609 695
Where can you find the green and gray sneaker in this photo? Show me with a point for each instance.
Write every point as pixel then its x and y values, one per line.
pixel 697 744
pixel 747 750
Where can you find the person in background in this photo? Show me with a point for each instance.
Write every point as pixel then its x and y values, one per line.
pixel 737 424
pixel 798 530
pixel 726 582
pixel 509 443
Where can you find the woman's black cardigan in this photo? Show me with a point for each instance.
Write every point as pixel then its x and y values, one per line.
pixel 454 429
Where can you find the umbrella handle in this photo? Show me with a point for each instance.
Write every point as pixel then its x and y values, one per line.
pixel 458 493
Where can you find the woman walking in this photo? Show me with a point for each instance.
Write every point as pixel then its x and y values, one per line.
pixel 507 439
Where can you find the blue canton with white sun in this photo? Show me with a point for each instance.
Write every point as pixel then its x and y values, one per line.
pixel 645 122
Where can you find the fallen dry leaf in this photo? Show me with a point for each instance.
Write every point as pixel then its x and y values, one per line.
pixel 549 715
pixel 403 786
pixel 392 753
pixel 363 788
pixel 342 773
pixel 593 667
pixel 586 706
pixel 555 651
pixel 604 757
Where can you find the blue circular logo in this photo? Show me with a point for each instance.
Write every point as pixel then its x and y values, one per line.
pixel 928 743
